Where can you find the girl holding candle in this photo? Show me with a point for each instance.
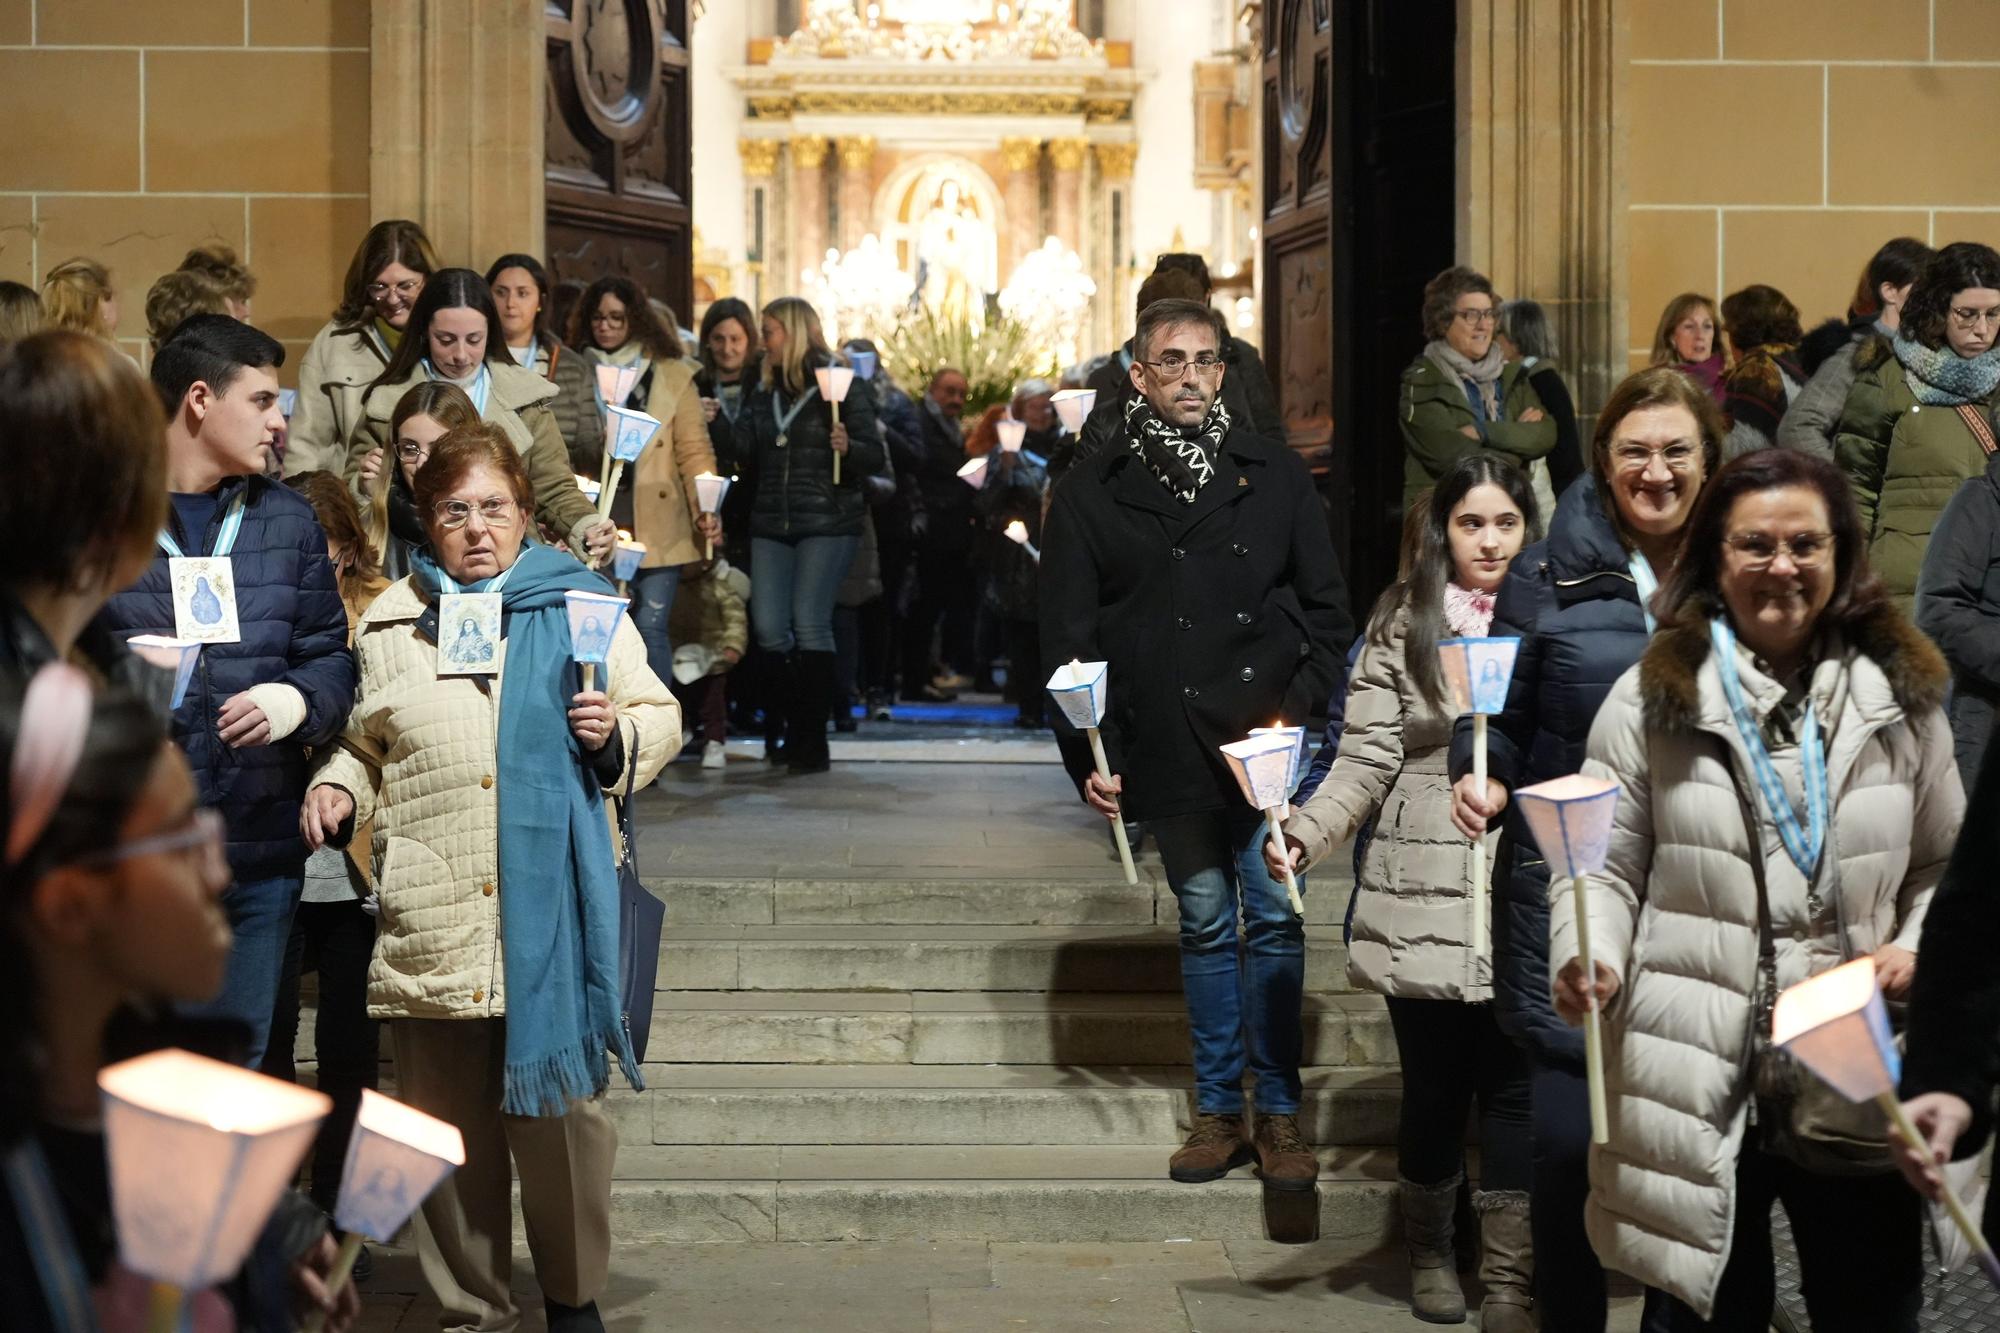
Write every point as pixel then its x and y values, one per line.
pixel 1411 932
pixel 1788 800
pixel 501 1019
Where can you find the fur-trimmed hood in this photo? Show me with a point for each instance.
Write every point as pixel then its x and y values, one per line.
pixel 1669 672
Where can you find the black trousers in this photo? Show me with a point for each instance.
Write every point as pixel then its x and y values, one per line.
pixel 1026 680
pixel 335 940
pixel 1569 1282
pixel 1454 1054
pixel 945 596
pixel 1860 1243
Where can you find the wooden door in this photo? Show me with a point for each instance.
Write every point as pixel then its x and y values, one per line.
pixel 620 170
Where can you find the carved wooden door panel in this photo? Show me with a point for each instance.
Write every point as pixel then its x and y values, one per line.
pixel 620 173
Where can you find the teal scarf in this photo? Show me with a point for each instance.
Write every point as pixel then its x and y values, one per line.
pixel 558 874
pixel 1941 377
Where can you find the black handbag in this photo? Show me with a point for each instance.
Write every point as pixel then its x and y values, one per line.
pixel 641 920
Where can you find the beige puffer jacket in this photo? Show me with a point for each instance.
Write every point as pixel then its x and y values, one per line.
pixel 1412 917
pixel 418 756
pixel 334 376
pixel 1674 914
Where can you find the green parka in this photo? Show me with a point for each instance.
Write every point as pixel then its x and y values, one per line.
pixel 1905 460
pixel 1433 409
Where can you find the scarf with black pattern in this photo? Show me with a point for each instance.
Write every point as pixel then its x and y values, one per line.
pixel 1183 463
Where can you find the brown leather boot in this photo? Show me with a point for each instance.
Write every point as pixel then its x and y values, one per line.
pixel 1285 1160
pixel 1507 1261
pixel 1435 1295
pixel 1215 1147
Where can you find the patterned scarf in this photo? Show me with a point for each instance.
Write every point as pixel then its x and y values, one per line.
pixel 1481 377
pixel 1939 376
pixel 1183 463
pixel 1468 611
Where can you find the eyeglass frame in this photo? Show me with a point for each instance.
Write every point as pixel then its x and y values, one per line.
pixel 498 518
pixel 1732 542
pixel 407 288
pixel 1686 463
pixel 204 827
pixel 1475 316
pixel 412 452
pixel 1966 318
pixel 609 319
pixel 1168 374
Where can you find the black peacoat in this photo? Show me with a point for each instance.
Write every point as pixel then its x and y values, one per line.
pixel 1216 617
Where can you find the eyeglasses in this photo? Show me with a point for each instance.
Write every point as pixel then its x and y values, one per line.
pixel 494 513
pixel 1757 550
pixel 405 289
pixel 204 834
pixel 609 321
pixel 1638 457
pixel 1173 366
pixel 1965 317
pixel 411 452
pixel 1476 317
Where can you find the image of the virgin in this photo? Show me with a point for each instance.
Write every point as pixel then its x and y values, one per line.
pixel 1492 688
pixel 471 645
pixel 384 1195
pixel 591 640
pixel 205 605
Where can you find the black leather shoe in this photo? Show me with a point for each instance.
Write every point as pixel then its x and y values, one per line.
pixel 573 1318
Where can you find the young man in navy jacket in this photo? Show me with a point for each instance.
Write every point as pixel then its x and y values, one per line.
pixel 284 679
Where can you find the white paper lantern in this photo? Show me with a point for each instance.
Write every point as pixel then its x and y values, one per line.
pixel 288 401
pixel 199 1152
pixel 973 473
pixel 1298 736
pixel 398 1155
pixel 709 490
pixel 1571 820
pixel 1078 689
pixel 1073 407
pixel 1012 433
pixel 1263 767
pixel 170 654
pixel 615 383
pixel 864 364
pixel 626 557
pixel 630 432
pixel 1478 671
pixel 1017 532
pixel 834 382
pixel 1838 1026
pixel 593 621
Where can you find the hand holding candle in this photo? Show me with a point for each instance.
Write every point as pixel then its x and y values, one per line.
pixel 1478 671
pixel 1079 690
pixel 709 490
pixel 834 382
pixel 1571 820
pixel 1264 765
pixel 629 433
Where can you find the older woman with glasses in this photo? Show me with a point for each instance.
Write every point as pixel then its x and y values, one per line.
pixel 1919 420
pixel 1462 396
pixel 1787 802
pixel 484 765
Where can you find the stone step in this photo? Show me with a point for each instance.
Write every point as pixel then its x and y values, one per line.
pixel 996 1193
pixel 1074 958
pixel 975 1028
pixel 882 1105
pixel 946 896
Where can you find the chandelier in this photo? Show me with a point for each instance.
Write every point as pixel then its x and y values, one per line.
pixel 1049 294
pixel 859 293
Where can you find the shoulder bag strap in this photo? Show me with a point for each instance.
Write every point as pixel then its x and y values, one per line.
pixel 1976 422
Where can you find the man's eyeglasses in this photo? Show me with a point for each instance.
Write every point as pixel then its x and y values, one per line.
pixel 405 289
pixel 1638 457
pixel 1755 550
pixel 203 833
pixel 454 514
pixel 1173 366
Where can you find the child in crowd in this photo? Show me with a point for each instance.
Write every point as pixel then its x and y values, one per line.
pixel 710 626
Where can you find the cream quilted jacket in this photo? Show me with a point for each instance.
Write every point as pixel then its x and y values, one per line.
pixel 418 756
pixel 1674 913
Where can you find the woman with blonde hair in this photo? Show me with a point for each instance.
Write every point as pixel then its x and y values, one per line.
pixel 805 526
pixel 77 294
pixel 219 264
pixel 1689 339
pixel 179 296
pixel 383 281
pixel 390 523
pixel 20 312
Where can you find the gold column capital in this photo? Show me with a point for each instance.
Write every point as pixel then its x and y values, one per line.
pixel 856 152
pixel 1068 154
pixel 1020 154
pixel 1114 160
pixel 809 153
pixel 760 156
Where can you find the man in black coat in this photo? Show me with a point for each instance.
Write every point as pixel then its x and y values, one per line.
pixel 283 680
pixel 946 592
pixel 1191 554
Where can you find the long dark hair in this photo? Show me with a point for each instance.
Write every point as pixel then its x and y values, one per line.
pixel 641 324
pixel 534 269
pixel 1899 263
pixel 1422 589
pixel 1951 271
pixel 1693 592
pixel 447 289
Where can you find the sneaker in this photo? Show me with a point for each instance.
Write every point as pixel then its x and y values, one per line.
pixel 1285 1160
pixel 878 707
pixel 949 681
pixel 713 755
pixel 1215 1147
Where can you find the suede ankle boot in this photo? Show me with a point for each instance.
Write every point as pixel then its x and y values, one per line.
pixel 1435 1295
pixel 1506 1262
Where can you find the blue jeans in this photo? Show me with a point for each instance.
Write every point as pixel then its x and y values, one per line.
pixel 1237 1010
pixel 652 602
pixel 792 588
pixel 260 918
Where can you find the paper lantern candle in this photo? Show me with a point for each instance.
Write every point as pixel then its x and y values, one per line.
pixel 626 558
pixel 591 488
pixel 198 1152
pixel 170 654
pixel 1298 735
pixel 615 384
pixel 973 473
pixel 1073 407
pixel 1571 820
pixel 709 489
pixel 1478 671
pixel 593 621
pixel 1078 689
pixel 1837 1025
pixel 864 364
pixel 1012 433
pixel 1264 767
pixel 398 1155
pixel 834 382
pixel 1017 533
pixel 627 434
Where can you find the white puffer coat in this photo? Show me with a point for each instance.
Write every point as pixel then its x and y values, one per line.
pixel 1413 916
pixel 1674 914
pixel 419 757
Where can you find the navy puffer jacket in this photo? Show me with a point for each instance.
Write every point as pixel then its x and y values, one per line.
pixel 1575 606
pixel 294 632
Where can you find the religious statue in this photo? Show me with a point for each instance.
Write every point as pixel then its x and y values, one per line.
pixel 957 258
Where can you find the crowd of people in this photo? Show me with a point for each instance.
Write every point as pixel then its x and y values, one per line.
pixel 1759 597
